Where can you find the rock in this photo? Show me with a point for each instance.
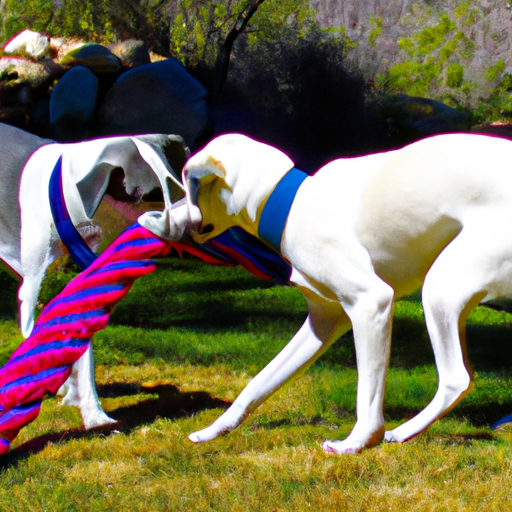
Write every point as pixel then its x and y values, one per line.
pixel 73 104
pixel 132 53
pixel 60 46
pixel 31 43
pixel 409 118
pixel 16 103
pixel 155 57
pixel 161 97
pixel 97 58
pixel 18 68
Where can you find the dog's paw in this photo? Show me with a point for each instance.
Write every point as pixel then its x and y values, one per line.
pixel 195 437
pixel 97 419
pixel 342 447
pixel 216 429
pixel 390 437
pixel 206 434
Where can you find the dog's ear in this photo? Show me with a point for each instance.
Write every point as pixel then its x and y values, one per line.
pixel 93 186
pixel 90 165
pixel 174 151
pixel 143 163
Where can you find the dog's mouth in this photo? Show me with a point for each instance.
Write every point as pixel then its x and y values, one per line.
pixel 204 230
pixel 202 234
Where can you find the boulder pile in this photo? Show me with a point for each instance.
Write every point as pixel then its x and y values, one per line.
pixel 70 90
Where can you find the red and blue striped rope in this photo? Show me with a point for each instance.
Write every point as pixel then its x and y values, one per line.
pixel 63 331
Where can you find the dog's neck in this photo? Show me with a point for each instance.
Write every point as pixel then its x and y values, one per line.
pixel 275 212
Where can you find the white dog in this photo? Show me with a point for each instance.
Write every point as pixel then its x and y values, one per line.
pixel 360 233
pixel 29 241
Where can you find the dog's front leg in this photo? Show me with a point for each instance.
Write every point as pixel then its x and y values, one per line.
pixel 81 392
pixel 326 322
pixel 371 314
pixel 36 255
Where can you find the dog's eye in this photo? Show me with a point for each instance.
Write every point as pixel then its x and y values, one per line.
pixel 206 229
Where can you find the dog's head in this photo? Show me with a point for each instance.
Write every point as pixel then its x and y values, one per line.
pixel 228 182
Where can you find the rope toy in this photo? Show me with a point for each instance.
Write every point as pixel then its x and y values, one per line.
pixel 63 331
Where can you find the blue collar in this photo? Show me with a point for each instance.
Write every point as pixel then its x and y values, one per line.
pixel 78 249
pixel 275 212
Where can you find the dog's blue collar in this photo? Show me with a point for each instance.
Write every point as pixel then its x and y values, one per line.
pixel 276 209
pixel 78 249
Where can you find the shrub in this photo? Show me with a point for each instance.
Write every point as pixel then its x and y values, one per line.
pixel 433 53
pixel 455 75
pixel 302 96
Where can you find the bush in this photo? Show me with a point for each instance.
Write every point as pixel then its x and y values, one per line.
pixel 8 297
pixel 301 96
pixel 57 276
pixel 455 75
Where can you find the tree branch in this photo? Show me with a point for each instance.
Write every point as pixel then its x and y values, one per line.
pixel 224 52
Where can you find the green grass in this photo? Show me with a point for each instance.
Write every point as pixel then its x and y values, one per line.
pixel 179 349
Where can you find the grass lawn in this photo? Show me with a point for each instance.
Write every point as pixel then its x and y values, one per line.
pixel 179 349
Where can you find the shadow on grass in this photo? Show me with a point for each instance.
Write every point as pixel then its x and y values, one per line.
pixel 479 415
pixel 170 404
pixel 489 347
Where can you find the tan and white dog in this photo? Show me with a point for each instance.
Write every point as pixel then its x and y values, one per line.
pixel 361 233
pixel 29 241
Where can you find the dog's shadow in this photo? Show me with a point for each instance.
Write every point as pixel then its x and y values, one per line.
pixel 169 403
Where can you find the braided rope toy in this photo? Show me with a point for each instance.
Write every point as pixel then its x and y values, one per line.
pixel 63 331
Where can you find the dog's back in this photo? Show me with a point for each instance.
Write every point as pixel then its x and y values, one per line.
pixel 16 146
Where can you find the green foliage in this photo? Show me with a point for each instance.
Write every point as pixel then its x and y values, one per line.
pixel 376 31
pixel 17 16
pixel 339 35
pixel 494 72
pixel 412 78
pixel 468 15
pixel 197 29
pixel 90 19
pixel 57 276
pixel 455 75
pixel 498 106
pixel 434 60
pixel 191 30
pixel 428 40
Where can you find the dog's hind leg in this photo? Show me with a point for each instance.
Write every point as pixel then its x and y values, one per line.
pixel 455 284
pixel 326 322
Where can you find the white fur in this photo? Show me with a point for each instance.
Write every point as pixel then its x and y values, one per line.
pixel 86 168
pixel 361 233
